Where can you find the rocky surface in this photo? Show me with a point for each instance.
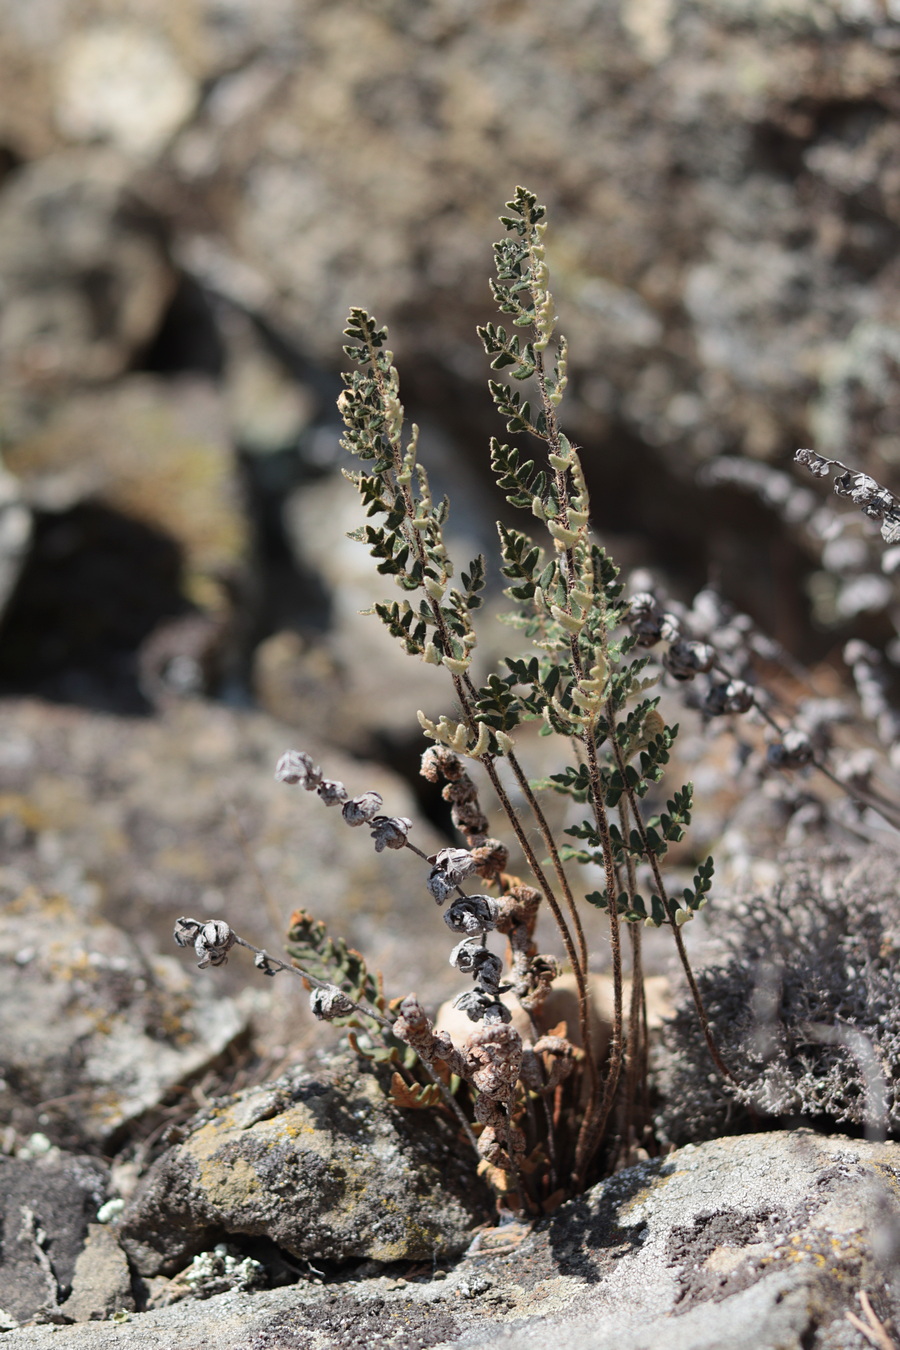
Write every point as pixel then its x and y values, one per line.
pixel 46 1205
pixel 140 548
pixel 95 1033
pixel 145 820
pixel 101 1282
pixel 189 201
pixel 722 178
pixel 768 1236
pixel 319 1163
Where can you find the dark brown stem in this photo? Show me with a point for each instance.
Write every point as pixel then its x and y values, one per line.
pixel 635 1052
pixel 550 843
pixel 653 860
pixel 595 1120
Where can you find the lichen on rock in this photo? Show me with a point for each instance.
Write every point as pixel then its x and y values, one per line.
pixel 323 1165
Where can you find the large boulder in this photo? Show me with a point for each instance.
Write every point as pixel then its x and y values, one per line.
pixel 323 1165
pixel 47 1203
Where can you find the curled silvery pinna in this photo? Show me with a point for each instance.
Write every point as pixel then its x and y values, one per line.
pixel 793 751
pixel 360 810
pixel 481 1006
pixel 472 959
pixel 449 867
pixel 735 696
pixel 815 463
pixel 332 792
pixel 473 914
pixel 685 659
pixel 297 769
pixel 644 618
pixel 390 831
pixel 212 939
pixel 329 1002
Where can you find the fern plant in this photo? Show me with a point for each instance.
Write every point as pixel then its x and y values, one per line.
pixel 582 677
pixel 546 1112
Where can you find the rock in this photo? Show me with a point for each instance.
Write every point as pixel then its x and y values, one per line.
pixel 379 686
pixel 769 1236
pixel 138 493
pixel 83 271
pixel 324 1166
pixel 147 820
pixel 757 315
pixel 101 1284
pixel 46 1205
pixel 93 1032
pixel 120 83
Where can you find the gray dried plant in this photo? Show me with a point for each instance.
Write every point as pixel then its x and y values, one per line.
pixel 805 1000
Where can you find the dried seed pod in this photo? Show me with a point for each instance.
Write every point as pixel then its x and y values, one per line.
pixel 329 1002
pixel 469 818
pixel 390 831
pixel 858 487
pixel 670 627
pixel 466 953
pixel 296 768
pixel 815 463
pixel 473 959
pixel 462 790
pixel 473 914
pixel 644 618
pixel 439 886
pixel 416 1030
pixel 490 858
pixel 360 810
pixel 547 1064
pixel 438 762
pixel 332 792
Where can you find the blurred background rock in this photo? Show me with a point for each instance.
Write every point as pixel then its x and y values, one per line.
pixel 191 196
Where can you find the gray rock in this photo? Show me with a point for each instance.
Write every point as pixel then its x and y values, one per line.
pixel 101 1284
pixel 46 1204
pixel 122 84
pixel 145 820
pixel 83 272
pixel 324 1166
pixel 139 494
pixel 93 1033
pixel 762 1240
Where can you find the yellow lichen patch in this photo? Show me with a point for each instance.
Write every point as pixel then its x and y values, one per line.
pixel 54 907
pixel 228 1182
pixel 224 1128
pixel 22 809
